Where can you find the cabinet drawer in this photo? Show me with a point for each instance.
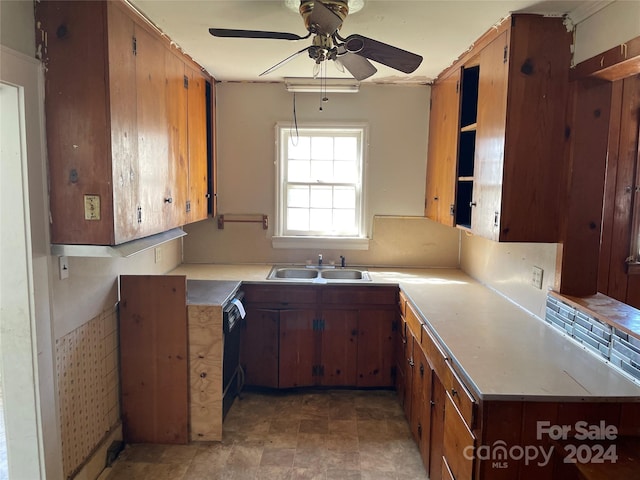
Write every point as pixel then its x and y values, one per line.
pixel 277 295
pixel 459 394
pixel 413 322
pixel 402 303
pixel 458 444
pixel 435 355
pixel 359 295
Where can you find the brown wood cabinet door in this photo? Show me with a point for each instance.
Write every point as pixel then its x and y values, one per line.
pixel 421 403
pixel 339 347
pixel 376 349
pixel 408 374
pixel 442 156
pixel 438 396
pixel 259 347
pixel 197 129
pixel 297 349
pixel 153 147
pixel 178 162
pixel 457 438
pixel 490 134
pixel 153 358
pixel 124 129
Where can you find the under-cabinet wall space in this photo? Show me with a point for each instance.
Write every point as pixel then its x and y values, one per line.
pixel 87 375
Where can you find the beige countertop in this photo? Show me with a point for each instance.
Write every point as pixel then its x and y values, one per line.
pixel 503 351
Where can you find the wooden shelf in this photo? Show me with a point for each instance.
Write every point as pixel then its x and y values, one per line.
pixel 469 128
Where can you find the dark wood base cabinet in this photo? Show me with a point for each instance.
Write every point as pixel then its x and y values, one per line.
pixel 462 437
pixel 320 335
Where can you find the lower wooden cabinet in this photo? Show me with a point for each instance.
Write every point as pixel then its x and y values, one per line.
pixel 301 335
pixel 259 347
pixel 458 442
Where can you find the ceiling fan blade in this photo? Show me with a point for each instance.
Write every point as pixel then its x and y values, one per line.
pixel 388 55
pixel 322 20
pixel 358 66
pixel 231 33
pixel 279 64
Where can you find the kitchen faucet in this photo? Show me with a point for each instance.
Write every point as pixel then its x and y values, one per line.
pixel 343 261
pixel 319 259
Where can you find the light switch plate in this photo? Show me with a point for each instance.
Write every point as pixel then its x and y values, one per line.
pixel 536 277
pixel 63 264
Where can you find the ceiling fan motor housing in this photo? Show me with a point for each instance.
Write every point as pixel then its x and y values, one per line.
pixel 339 7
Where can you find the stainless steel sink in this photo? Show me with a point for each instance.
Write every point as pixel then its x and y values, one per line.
pixel 319 274
pixel 345 274
pixel 292 272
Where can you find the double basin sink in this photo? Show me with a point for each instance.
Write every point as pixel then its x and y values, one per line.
pixel 319 274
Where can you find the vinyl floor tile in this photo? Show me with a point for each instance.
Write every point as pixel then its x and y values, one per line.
pixel 316 435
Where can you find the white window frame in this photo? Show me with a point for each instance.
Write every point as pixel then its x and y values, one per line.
pixel 284 130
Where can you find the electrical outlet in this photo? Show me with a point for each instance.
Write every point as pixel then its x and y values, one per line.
pixel 63 265
pixel 158 254
pixel 536 277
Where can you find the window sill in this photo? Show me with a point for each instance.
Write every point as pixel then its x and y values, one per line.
pixel 335 243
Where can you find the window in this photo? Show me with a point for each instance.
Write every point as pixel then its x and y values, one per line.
pixel 320 182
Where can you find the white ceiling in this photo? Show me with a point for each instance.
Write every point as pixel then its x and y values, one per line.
pixel 438 30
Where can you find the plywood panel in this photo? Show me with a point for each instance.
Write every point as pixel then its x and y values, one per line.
pixel 205 372
pixel 154 362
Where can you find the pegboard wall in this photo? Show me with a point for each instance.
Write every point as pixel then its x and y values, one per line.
pixel 87 374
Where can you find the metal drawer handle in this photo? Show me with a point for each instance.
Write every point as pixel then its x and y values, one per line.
pixel 454 392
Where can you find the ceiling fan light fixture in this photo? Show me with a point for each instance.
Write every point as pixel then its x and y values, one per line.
pixel 352 5
pixel 325 85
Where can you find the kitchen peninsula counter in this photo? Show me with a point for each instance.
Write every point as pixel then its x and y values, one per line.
pixel 502 351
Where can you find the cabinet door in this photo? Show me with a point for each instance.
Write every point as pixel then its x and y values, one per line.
pixel 438 396
pixel 401 360
pixel 259 347
pixel 490 137
pixel 298 360
pixel 456 442
pixel 408 373
pixel 443 141
pixel 339 349
pixel 152 140
pixel 421 403
pixel 197 134
pixel 178 161
pixel 124 130
pixel 375 347
pixel 153 358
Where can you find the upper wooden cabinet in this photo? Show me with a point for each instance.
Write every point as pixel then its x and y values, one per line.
pixel 129 133
pixel 507 97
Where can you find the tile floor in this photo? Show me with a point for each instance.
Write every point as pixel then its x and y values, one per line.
pixel 320 435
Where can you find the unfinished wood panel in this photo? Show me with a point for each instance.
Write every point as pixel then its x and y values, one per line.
pixel 442 153
pixel 339 348
pixel 583 217
pixel 178 148
pixel 153 358
pixel 197 129
pixel 611 179
pixel 205 372
pixel 375 347
pixel 259 347
pixel 297 349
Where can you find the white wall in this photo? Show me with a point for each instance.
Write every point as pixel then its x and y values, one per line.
pixel 395 172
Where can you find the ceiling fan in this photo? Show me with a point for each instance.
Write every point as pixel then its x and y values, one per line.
pixel 322 20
